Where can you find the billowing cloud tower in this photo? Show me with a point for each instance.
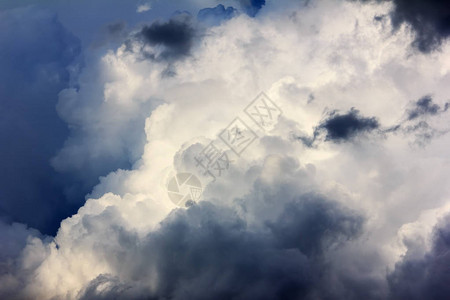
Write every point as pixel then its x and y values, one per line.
pixel 255 150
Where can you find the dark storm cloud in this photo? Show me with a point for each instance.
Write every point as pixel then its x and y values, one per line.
pixel 430 20
pixel 425 106
pixel 427 277
pixel 210 252
pixel 330 226
pixel 345 127
pixel 341 128
pixel 175 36
pixel 35 54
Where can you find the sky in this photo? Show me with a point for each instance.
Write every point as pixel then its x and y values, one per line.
pixel 233 149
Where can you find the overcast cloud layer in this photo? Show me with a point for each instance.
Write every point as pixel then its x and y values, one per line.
pixel 347 196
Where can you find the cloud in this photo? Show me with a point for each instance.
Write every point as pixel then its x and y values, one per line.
pixel 216 15
pixel 106 116
pixel 341 127
pixel 284 220
pixel 425 277
pixel 95 16
pixel 121 238
pixel 210 251
pixel 344 127
pixel 418 122
pixel 429 19
pixel 143 7
pixel 13 239
pixel 425 106
pixel 175 37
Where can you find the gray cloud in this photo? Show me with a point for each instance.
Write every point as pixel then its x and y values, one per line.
pixel 346 126
pixel 418 122
pixel 175 36
pixel 216 15
pixel 341 127
pixel 429 20
pixel 13 238
pixel 425 106
pixel 426 277
pixel 210 252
